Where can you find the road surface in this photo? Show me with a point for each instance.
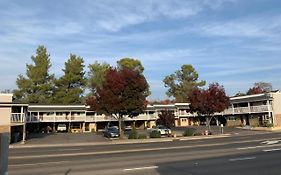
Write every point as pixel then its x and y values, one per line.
pixel 250 154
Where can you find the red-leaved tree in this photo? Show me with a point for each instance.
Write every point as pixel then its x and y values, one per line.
pixel 166 118
pixel 255 90
pixel 123 92
pixel 208 101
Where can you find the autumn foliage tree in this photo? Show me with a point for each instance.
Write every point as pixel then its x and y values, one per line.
pixel 260 87
pixel 166 118
pixel 208 101
pixel 123 92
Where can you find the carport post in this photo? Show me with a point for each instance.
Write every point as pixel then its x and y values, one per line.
pixel 221 128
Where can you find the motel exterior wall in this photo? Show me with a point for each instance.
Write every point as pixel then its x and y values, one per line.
pixel 277 109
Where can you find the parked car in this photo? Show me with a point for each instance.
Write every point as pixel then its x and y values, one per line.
pixel 111 132
pixel 162 129
pixel 61 128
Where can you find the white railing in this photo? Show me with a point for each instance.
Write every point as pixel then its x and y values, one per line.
pixel 242 110
pixel 17 118
pixel 183 114
pixel 247 110
pixel 84 118
pixel 261 108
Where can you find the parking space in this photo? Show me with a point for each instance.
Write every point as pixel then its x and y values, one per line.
pixel 67 138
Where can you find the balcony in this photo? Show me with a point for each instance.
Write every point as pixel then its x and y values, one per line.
pixel 104 118
pixel 247 110
pixel 17 118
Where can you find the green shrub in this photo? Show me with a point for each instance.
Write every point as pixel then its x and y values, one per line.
pixel 133 134
pixel 188 132
pixel 269 125
pixel 142 136
pixel 155 134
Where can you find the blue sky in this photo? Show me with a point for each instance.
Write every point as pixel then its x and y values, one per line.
pixel 233 42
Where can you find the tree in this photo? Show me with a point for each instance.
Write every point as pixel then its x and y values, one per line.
pixel 70 86
pixel 259 88
pixel 38 86
pixel 239 94
pixel 255 90
pixel 182 82
pixel 208 101
pixel 266 87
pixel 96 75
pixel 164 102
pixel 122 93
pixel 166 118
pixel 130 63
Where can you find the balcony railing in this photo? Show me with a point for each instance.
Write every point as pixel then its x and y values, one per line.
pixel 247 110
pixel 17 118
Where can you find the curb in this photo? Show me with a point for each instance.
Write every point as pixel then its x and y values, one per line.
pixel 118 142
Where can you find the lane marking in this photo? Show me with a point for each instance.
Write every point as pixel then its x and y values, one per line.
pixel 270 150
pixel 43 163
pixel 141 168
pixel 242 158
pixel 260 146
pixel 70 149
pixel 270 142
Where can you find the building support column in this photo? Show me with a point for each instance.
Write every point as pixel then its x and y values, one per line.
pixel 83 127
pixel 145 125
pixel 23 126
pixel 217 121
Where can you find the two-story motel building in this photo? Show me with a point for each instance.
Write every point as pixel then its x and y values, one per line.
pixel 253 110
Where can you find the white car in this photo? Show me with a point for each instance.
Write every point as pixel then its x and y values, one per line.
pixel 162 129
pixel 61 127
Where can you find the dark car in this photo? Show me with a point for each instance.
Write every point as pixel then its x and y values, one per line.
pixel 111 132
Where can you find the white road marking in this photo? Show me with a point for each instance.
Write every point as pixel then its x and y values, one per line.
pixel 70 149
pixel 260 146
pixel 141 168
pixel 270 150
pixel 241 158
pixel 35 164
pixel 270 142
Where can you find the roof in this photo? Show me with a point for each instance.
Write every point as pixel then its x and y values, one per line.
pixel 251 98
pixel 45 108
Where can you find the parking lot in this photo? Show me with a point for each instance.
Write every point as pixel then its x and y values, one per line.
pixel 74 138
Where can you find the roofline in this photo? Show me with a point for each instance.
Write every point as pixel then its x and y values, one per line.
pixel 248 96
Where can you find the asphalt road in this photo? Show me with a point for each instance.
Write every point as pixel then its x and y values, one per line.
pixel 250 154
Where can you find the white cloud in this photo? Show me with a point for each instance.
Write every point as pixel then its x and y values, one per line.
pixel 115 16
pixel 238 70
pixel 253 26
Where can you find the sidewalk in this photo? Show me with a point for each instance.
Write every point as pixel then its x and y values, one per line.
pixel 276 129
pixel 117 141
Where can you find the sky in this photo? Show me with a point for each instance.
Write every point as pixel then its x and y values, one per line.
pixel 233 42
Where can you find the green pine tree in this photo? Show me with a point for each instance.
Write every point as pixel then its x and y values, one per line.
pixel 70 87
pixel 37 87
